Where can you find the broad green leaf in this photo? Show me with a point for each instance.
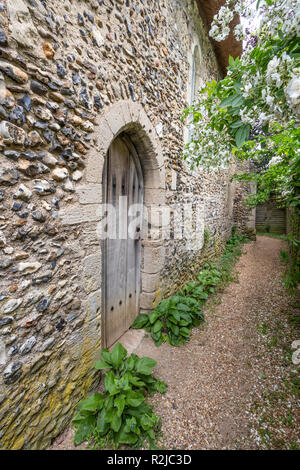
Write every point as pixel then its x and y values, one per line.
pixel 136 381
pixel 146 422
pixel 154 316
pixel 131 425
pixel 236 124
pixel 118 354
pixel 134 399
pixel 85 429
pixel 163 306
pixel 109 416
pixel 175 314
pixel 144 365
pixel 109 383
pixel 109 403
pixel 144 408
pixel 106 356
pixel 102 425
pixel 173 320
pixel 151 433
pixel 231 60
pixel 228 101
pixel 159 341
pixel 242 134
pixel 122 383
pixel 100 365
pixel 140 321
pixel 158 325
pixel 116 423
pixel 173 340
pixel 123 437
pixel 92 403
pixel 130 362
pixel 238 101
pixel 175 329
pixel 185 332
pixel 173 300
pixel 186 316
pixel 156 336
pixel 237 86
pixel 183 307
pixel 119 403
pixel 78 418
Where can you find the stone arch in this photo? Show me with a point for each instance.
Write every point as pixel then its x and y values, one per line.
pixel 129 118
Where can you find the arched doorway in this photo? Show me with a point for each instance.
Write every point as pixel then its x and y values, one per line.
pixel 123 188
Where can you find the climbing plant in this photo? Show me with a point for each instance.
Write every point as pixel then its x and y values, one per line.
pixel 121 414
pixel 253 113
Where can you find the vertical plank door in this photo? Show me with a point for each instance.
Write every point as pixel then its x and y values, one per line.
pixel 122 254
pixel 135 200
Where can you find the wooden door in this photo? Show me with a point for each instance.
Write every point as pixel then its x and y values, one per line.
pixel 122 255
pixel 270 218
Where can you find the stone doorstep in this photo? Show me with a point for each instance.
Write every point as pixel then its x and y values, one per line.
pixel 131 340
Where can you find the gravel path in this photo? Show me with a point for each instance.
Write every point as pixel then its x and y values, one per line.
pixel 214 378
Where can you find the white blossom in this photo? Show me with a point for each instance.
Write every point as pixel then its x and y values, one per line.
pixel 261 84
pixel 274 161
pixel 239 32
pixel 293 90
pixel 272 65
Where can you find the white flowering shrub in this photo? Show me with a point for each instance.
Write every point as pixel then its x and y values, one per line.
pixel 260 95
pixel 254 112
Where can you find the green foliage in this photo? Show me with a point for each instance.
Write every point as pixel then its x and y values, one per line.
pixel 284 257
pixel 173 318
pixel 120 415
pixel 292 272
pixel 280 179
pixel 231 253
pixel 253 114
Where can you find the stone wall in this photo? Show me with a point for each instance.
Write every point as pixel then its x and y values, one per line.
pixel 73 75
pixel 243 217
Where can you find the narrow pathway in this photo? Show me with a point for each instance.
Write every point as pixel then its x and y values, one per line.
pixel 213 379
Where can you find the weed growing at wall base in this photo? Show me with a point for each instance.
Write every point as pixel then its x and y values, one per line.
pixel 173 318
pixel 120 415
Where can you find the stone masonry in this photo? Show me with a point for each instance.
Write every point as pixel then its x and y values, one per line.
pixel 73 75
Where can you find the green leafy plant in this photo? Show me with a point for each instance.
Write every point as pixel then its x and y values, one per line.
pixel 120 415
pixel 196 291
pixel 209 277
pixel 172 320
